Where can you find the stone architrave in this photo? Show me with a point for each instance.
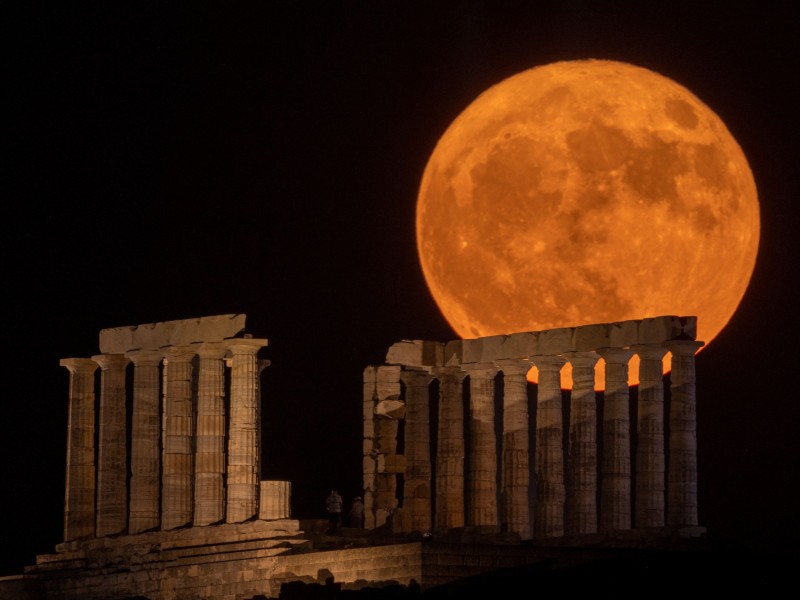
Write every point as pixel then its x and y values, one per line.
pixel 209 458
pixel 450 449
pixel 650 458
pixel 515 516
pixel 242 471
pixel 178 449
pixel 550 492
pixel 582 458
pixel 481 500
pixel 417 481
pixel 112 467
pixel 615 471
pixel 682 473
pixel 79 512
pixel 144 509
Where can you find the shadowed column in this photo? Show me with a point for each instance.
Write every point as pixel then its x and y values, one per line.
pixel 615 485
pixel 582 458
pixel 450 449
pixel 682 474
pixel 112 468
pixel 550 494
pixel 481 500
pixel 177 470
pixel 649 510
pixel 417 482
pixel 515 477
pixel 79 513
pixel 209 461
pixel 145 441
pixel 242 488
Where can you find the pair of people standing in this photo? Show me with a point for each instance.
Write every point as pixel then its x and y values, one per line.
pixel 335 507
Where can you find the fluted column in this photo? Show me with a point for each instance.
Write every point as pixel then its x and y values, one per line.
pixel 209 458
pixel 145 441
pixel 515 474
pixel 242 502
pixel 682 474
pixel 112 468
pixel 550 494
pixel 417 482
pixel 450 449
pixel 79 512
pixel 615 483
pixel 649 510
pixel 582 457
pixel 178 467
pixel 481 501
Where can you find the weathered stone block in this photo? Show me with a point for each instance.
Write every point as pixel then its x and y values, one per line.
pixel 555 341
pixel 659 329
pixel 416 353
pixel 471 350
pixel 590 337
pixel 492 348
pixel 393 409
pixel 521 345
pixel 453 352
pixel 623 334
pixel 171 333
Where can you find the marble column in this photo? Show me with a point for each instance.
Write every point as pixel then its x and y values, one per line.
pixel 582 451
pixel 178 450
pixel 209 458
pixel 481 500
pixel 112 463
pixel 515 516
pixel 144 512
pixel 549 469
pixel 682 473
pixel 417 481
pixel 450 449
pixel 615 471
pixel 242 488
pixel 79 513
pixel 650 459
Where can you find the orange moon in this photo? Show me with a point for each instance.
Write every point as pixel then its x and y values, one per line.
pixel 587 191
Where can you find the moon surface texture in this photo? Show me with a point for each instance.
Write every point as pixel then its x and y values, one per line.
pixel 587 191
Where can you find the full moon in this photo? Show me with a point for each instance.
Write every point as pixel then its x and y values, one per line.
pixel 587 191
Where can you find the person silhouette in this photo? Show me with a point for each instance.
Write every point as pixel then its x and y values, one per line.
pixel 333 505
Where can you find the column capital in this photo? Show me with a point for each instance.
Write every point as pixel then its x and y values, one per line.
pixel 179 353
pixel 144 358
pixel 548 362
pixel 416 377
pixel 683 347
pixel 650 351
pixel 79 365
pixel 514 366
pixel 616 356
pixel 587 359
pixel 110 361
pixel 444 372
pixel 210 349
pixel 487 370
pixel 239 346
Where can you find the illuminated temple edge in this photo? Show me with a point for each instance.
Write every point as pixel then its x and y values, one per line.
pixel 622 334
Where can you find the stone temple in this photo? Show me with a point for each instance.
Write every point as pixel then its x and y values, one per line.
pixel 467 468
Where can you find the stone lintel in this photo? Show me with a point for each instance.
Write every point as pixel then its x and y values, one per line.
pixel 416 353
pixel 453 353
pixel 171 333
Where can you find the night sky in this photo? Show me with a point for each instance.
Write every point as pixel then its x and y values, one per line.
pixel 265 159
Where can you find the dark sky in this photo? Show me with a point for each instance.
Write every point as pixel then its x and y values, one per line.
pixel 172 163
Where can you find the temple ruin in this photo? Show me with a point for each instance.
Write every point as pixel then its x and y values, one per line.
pixel 466 468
